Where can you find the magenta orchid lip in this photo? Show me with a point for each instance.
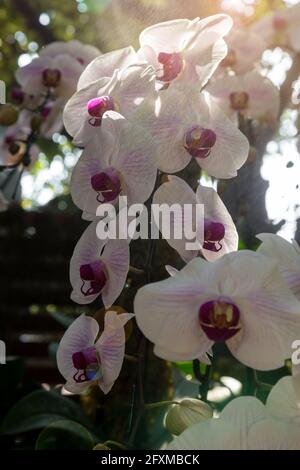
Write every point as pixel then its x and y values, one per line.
pixel 219 319
pixel 96 107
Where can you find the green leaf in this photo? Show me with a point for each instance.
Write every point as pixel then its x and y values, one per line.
pixel 185 367
pixel 39 409
pixel 65 435
pixel 11 375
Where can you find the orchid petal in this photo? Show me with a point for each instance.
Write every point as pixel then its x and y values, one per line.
pixel 105 65
pixel 116 259
pixel 111 348
pixel 80 335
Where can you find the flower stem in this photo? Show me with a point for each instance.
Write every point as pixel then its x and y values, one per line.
pixel 138 406
pixel 202 378
pixel 130 358
pixel 158 404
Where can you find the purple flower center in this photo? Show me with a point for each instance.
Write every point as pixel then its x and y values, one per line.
pixel 17 95
pixel 87 363
pixel 239 100
pixel 96 107
pixel 279 23
pixel 219 319
pixel 107 184
pixel 199 141
pixel 46 110
pixel 51 78
pixel 214 232
pixel 172 66
pixel 93 276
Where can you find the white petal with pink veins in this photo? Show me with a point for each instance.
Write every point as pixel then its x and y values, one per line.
pixel 192 49
pixel 267 314
pixel 177 191
pixel 207 49
pixel 211 434
pixel 30 76
pixel 90 164
pixel 72 387
pixel 220 89
pixel 111 348
pixel 70 72
pixel 263 96
pixel 231 149
pixel 268 329
pixel 83 195
pixel 80 335
pixel 83 53
pixel 54 121
pixel 271 434
pixel 87 250
pixel 206 63
pixel 176 357
pixel 246 48
pixel 135 158
pixel 242 413
pixel 167 311
pixel 116 259
pixel 296 381
pixel 139 173
pixel 286 254
pixel 136 84
pixel 171 270
pixel 106 64
pixel 215 210
pixel 169 36
pixel 176 112
pixel 283 402
pixel 76 115
pixel 219 24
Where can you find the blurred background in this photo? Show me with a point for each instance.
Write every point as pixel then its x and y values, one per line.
pixel 38 233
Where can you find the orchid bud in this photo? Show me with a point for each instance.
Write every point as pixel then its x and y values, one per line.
pixel 190 411
pixel 8 114
pixel 101 447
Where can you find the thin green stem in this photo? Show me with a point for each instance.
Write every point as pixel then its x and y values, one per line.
pixel 158 404
pixel 203 379
pixel 130 358
pixel 250 386
pixel 260 383
pixel 138 404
